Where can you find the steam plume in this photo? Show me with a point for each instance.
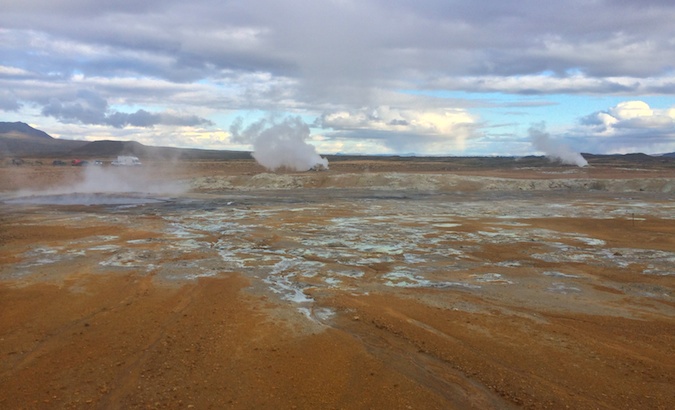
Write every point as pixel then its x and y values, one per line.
pixel 279 145
pixel 112 180
pixel 554 150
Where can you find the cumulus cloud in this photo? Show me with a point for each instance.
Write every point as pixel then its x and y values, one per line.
pixel 384 118
pixel 87 108
pixel 8 101
pixel 431 131
pixel 630 126
pixel 90 108
pixel 631 116
pixel 631 109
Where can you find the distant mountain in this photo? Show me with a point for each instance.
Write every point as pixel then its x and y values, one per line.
pixel 18 139
pixel 110 148
pixel 22 130
pixel 636 160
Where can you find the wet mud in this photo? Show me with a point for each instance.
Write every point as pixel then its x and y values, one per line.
pixel 347 297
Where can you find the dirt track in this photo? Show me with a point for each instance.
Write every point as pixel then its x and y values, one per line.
pixel 373 285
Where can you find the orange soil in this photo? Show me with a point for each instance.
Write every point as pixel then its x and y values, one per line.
pixel 86 336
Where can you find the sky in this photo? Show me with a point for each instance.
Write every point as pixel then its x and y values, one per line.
pixel 424 77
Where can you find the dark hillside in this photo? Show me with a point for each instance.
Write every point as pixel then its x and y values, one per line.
pixel 19 139
pixel 22 130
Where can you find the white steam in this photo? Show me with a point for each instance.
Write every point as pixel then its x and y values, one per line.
pixel 114 180
pixel 278 145
pixel 554 150
pixel 127 180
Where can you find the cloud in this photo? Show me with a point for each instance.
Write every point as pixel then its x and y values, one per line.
pixel 404 130
pixel 549 83
pixel 90 108
pixel 330 45
pixel 86 108
pixel 9 101
pixel 630 126
pixel 329 60
pixel 631 115
pixel 7 71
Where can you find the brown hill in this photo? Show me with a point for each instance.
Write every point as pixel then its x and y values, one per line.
pixel 18 139
pixel 20 130
pixel 108 148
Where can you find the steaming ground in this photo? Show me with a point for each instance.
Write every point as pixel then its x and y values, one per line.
pixel 95 185
pixel 344 289
pixel 280 144
pixel 555 150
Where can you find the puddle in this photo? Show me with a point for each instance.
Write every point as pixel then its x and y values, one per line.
pixel 408 279
pixel 562 288
pixel 556 274
pixel 87 199
pixel 491 278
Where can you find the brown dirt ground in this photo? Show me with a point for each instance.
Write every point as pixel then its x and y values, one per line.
pixel 122 340
pixel 46 176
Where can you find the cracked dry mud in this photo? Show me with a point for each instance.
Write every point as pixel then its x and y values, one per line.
pixel 391 289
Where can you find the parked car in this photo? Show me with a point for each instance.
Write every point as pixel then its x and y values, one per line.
pixel 58 163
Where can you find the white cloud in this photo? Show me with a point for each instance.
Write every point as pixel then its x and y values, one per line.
pixel 551 84
pixel 385 118
pixel 187 63
pixel 631 109
pixel 439 131
pixel 12 71
pixel 631 115
pixel 630 126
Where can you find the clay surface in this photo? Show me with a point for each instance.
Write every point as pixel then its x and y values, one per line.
pixel 376 284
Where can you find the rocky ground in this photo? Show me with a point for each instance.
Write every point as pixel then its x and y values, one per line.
pixel 376 284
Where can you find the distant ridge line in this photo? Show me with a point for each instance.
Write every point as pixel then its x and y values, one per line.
pixel 21 139
pixel 23 128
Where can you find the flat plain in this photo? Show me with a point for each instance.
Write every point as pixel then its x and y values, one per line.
pixel 379 283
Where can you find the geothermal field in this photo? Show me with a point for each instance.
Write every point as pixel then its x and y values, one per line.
pixel 379 283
